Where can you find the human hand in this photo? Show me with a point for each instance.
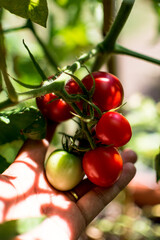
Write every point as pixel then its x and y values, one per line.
pixel 25 192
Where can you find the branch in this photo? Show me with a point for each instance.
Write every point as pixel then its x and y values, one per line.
pixel 109 41
pixel 54 86
pixel 107 45
pixel 10 88
pixel 122 50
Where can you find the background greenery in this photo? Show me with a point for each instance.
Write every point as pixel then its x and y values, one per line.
pixel 73 28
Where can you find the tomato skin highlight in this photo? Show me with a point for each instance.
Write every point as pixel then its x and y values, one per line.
pixel 103 165
pixel 63 170
pixel 113 129
pixel 56 110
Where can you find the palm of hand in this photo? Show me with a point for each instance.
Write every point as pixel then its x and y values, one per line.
pixel 30 195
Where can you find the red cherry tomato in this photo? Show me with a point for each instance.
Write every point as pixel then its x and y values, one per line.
pixel 113 129
pixel 108 92
pixel 72 87
pixel 103 165
pixel 56 110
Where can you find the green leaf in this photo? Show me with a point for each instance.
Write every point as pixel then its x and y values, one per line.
pixel 10 229
pixel 9 151
pixel 35 10
pixel 37 130
pixel 157 166
pixel 3 164
pixel 13 123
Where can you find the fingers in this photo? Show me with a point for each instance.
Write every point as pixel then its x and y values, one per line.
pixel 80 190
pixel 129 155
pixel 85 186
pixel 32 153
pixel 97 198
pixel 24 172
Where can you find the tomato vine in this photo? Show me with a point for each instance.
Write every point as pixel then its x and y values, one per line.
pixel 105 48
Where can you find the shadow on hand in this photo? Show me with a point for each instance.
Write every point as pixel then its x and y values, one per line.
pixel 27 193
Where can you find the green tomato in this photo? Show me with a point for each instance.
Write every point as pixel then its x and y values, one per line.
pixel 63 170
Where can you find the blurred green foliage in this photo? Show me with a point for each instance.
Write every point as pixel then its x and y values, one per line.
pixel 74 27
pixel 10 229
pixel 143 114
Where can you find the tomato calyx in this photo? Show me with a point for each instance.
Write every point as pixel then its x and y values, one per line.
pixel 77 144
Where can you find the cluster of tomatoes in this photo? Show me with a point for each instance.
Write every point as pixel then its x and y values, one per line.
pixel 103 163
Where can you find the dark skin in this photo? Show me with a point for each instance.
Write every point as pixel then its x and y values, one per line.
pixel 25 192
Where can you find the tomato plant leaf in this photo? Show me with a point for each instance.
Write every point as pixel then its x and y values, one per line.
pixel 35 10
pixel 10 229
pixel 36 130
pixel 157 166
pixel 3 164
pixel 9 152
pixel 12 124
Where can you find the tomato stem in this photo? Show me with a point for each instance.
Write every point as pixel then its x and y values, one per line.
pixel 109 41
pixel 122 50
pixel 3 67
pixel 88 135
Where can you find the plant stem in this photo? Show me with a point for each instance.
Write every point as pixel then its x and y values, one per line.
pixel 84 126
pixel 109 41
pixel 107 45
pixel 13 29
pixel 76 109
pixel 53 86
pixel 108 15
pixel 30 26
pixel 118 49
pixel 58 85
pixel 7 103
pixel 47 54
pixel 82 59
pixel 107 20
pixel 88 135
pixel 10 88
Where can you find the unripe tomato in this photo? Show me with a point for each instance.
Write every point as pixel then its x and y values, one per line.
pixel 64 170
pixel 113 129
pixel 103 165
pixel 55 110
